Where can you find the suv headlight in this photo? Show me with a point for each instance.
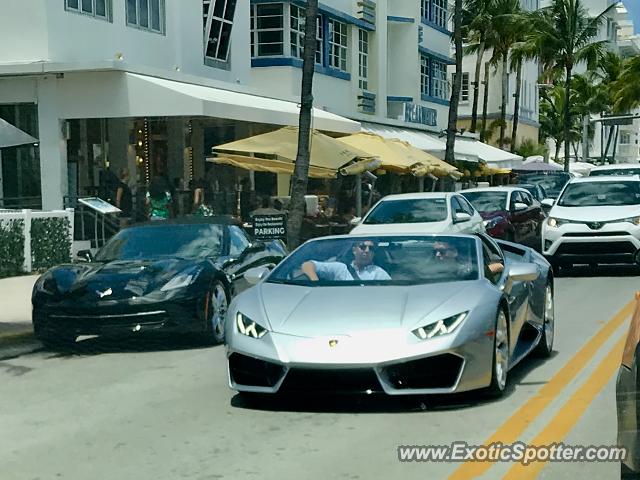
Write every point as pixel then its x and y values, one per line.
pixel 248 327
pixel 441 327
pixel 183 279
pixel 554 222
pixel 634 220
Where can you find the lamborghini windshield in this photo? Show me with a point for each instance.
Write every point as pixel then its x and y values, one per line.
pixel 380 260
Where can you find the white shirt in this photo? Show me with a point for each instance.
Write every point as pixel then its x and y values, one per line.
pixel 338 271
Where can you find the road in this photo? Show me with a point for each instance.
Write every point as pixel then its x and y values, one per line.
pixel 150 411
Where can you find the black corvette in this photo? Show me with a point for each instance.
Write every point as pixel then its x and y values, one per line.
pixel 170 276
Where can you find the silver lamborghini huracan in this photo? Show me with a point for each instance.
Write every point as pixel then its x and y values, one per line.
pixel 396 314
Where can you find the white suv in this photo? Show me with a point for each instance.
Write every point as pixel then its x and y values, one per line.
pixel 595 220
pixel 421 213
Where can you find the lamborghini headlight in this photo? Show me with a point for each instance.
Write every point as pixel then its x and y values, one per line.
pixel 441 327
pixel 183 279
pixel 554 222
pixel 248 327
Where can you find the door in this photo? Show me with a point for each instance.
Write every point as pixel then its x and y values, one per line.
pixel 245 255
pixel 519 218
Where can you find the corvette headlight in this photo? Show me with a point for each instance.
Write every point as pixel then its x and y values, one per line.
pixel 441 327
pixel 182 280
pixel 634 220
pixel 492 223
pixel 47 285
pixel 248 327
pixel 556 222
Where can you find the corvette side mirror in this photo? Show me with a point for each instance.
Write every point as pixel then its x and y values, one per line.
pixel 84 256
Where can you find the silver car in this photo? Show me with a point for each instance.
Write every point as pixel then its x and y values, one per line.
pixel 398 314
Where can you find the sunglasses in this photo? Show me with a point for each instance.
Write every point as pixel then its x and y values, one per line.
pixel 366 246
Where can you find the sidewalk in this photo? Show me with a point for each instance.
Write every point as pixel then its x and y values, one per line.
pixel 15 307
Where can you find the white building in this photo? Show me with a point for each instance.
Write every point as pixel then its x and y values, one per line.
pixel 152 85
pixel 144 84
pixel 528 125
pixel 383 61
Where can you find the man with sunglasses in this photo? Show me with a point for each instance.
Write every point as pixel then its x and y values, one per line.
pixel 362 267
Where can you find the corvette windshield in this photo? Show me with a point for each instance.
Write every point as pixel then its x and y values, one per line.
pixel 599 194
pixel 155 242
pixel 422 210
pixel 487 201
pixel 380 261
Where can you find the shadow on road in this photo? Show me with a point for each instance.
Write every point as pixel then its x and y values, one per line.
pixel 586 271
pixel 128 344
pixel 381 403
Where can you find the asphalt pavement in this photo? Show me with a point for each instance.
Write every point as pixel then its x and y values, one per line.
pixel 161 409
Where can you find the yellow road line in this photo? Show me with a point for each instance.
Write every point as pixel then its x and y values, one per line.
pixel 558 428
pixel 511 430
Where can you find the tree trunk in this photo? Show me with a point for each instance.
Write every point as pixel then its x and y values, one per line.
pixel 516 108
pixel 300 177
pixel 615 144
pixel 457 84
pixel 609 138
pixel 575 149
pixel 567 119
pixel 503 108
pixel 558 144
pixel 476 85
pixel 485 102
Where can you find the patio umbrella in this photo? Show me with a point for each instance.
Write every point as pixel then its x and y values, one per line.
pixel 327 153
pixel 11 136
pixel 539 167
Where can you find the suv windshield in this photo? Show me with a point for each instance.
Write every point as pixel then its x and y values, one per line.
pixel 155 242
pixel 487 201
pixel 420 210
pixel 615 171
pixel 592 194
pixel 380 260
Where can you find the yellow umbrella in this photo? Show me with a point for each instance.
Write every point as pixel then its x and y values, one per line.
pixel 439 167
pixel 269 165
pixel 390 157
pixel 326 152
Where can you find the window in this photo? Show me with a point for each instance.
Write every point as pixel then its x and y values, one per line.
pixel 218 23
pixel 338 43
pixel 440 87
pixel 267 29
pixel 93 8
pixel 464 93
pixel 625 138
pixel 363 57
pixel 435 11
pixel 146 14
pixel 425 75
pixel 297 25
pixel 238 241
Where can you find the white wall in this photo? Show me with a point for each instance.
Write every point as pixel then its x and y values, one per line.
pixel 23 24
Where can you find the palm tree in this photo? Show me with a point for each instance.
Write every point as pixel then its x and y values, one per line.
pixel 478 22
pixel 552 111
pixel 627 87
pixel 507 24
pixel 300 177
pixel 457 84
pixel 563 37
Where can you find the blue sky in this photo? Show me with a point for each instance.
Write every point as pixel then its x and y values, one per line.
pixel 634 11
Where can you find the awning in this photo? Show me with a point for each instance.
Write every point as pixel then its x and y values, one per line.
pixel 11 136
pixel 492 156
pixel 272 166
pixel 281 146
pixel 122 94
pixel 420 140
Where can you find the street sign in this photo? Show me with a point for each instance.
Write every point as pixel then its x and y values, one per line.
pixel 617 120
pixel 270 227
pixel 99 205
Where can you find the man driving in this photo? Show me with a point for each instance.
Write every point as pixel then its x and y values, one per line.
pixel 362 267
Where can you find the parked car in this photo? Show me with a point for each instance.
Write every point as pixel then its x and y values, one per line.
pixel 552 182
pixel 509 213
pixel 616 169
pixel 166 276
pixel 627 399
pixel 421 213
pixel 427 314
pixel 595 220
pixel 537 191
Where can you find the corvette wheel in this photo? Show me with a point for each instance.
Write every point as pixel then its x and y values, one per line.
pixel 218 303
pixel 500 366
pixel 545 347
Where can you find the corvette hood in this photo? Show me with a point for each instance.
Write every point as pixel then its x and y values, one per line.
pixel 124 279
pixel 595 214
pixel 317 311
